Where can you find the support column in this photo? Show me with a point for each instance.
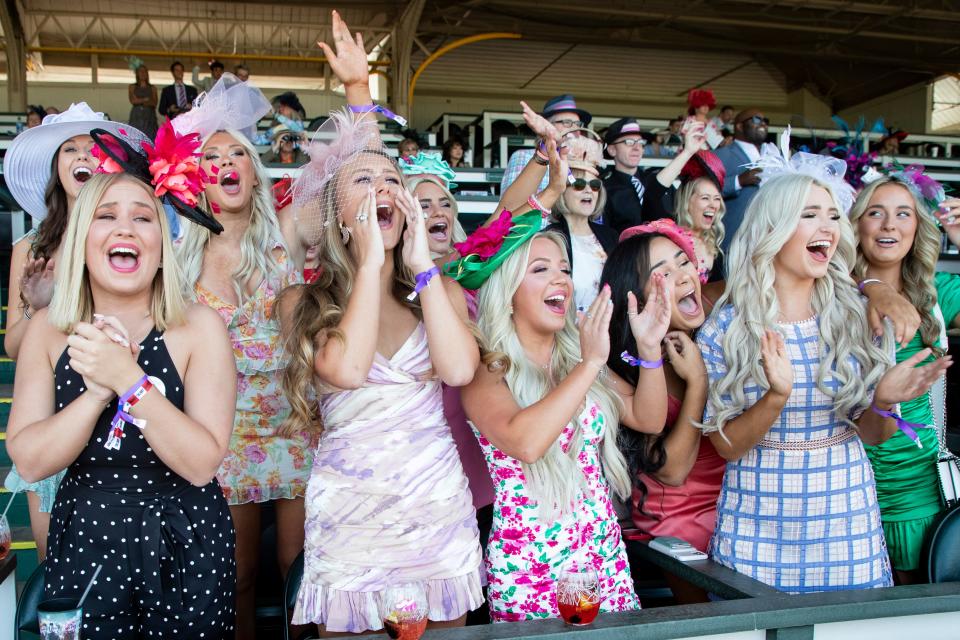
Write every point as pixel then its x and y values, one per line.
pixel 402 38
pixel 16 56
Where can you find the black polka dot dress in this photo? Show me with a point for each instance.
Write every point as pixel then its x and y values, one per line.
pixel 166 546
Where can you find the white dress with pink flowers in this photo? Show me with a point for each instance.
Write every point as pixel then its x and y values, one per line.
pixel 527 549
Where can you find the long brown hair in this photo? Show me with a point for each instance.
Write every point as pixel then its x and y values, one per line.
pixel 321 307
pixel 51 229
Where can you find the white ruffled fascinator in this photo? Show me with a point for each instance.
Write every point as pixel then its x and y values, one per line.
pixel 775 161
pixel 230 104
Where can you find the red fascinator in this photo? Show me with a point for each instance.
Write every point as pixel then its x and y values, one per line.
pixel 665 227
pixel 700 97
pixel 704 164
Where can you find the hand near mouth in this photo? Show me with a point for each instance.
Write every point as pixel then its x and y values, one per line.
pixel 416 247
pixel 366 236
pixel 650 325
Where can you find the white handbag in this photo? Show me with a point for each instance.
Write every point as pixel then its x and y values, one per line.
pixel 948 464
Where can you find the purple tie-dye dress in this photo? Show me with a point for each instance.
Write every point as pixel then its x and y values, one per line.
pixel 388 501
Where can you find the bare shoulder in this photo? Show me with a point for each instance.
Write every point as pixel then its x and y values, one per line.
pixel 40 331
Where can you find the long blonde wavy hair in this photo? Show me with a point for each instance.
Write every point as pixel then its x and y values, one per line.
pixel 72 297
pixel 555 479
pixel 259 240
pixel 848 353
pixel 918 266
pixel 712 237
pixel 322 304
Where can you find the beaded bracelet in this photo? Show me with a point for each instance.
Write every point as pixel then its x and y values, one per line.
pixel 534 202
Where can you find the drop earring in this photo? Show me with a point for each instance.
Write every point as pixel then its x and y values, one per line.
pixel 344 233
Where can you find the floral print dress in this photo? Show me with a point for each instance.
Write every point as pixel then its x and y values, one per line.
pixel 260 464
pixel 527 550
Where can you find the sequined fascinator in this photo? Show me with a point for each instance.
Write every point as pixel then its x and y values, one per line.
pixel 429 164
pixel 668 228
pixel 336 143
pixel 230 104
pixel 171 166
pixel 777 160
pixel 485 249
pixel 922 186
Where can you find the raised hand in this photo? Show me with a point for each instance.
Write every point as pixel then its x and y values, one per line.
pixel 685 358
pixel 948 213
pixel 776 363
pixel 650 325
pixel 595 330
pixel 365 237
pixel 416 247
pixel 694 135
pixel 347 58
pixel 559 169
pixel 36 283
pixel 539 125
pixel 906 381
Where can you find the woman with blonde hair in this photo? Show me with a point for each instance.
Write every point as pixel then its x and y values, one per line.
pixel 898 243
pixel 546 411
pixel 699 208
pixel 240 273
pixel 797 387
pixel 371 341
pixel 127 384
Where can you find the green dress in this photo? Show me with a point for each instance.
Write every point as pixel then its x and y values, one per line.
pixel 907 486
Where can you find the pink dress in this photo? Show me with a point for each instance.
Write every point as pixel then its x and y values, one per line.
pixel 690 510
pixel 388 502
pixel 527 550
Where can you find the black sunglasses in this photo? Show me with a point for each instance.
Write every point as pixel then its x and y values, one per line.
pixel 757 120
pixel 579 184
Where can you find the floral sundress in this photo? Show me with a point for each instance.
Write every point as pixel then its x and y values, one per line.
pixel 260 464
pixel 527 550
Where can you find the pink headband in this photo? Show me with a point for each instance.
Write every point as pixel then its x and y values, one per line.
pixel 668 228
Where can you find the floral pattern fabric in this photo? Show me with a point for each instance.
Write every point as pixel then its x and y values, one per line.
pixel 528 549
pixel 260 464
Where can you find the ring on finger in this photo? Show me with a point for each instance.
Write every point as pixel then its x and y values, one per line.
pixel 362 217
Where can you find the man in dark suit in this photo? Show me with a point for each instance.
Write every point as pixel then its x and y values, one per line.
pixel 178 97
pixel 740 185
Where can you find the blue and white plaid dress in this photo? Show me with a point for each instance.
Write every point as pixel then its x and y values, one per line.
pixel 799 511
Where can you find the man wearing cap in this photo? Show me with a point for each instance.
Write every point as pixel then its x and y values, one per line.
pixel 635 196
pixel 564 114
pixel 741 184
pixel 205 84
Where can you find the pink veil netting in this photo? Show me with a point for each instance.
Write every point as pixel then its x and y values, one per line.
pixel 230 104
pixel 337 142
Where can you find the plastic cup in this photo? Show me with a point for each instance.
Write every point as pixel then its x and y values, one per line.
pixel 60 619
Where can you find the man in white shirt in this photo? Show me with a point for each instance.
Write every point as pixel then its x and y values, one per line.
pixel 740 185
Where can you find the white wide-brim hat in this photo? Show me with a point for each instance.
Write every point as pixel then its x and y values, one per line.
pixel 29 161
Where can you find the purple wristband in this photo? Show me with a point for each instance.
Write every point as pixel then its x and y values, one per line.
pixel 908 428
pixel 375 108
pixel 638 362
pixel 423 279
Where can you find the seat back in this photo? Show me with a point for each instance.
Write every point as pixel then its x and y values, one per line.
pixel 291 587
pixel 943 541
pixel 30 599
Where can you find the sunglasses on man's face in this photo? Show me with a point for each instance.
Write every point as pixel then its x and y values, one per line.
pixel 757 120
pixel 579 184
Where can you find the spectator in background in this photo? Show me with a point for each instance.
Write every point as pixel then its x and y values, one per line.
pixel 724 120
pixel 409 146
pixel 562 112
pixel 454 151
pixel 740 184
pixel 143 97
pixel 51 111
pixel 890 144
pixel 205 84
pixel 699 104
pixel 674 134
pixel 178 97
pixel 286 147
pixel 241 72
pixel 35 115
pixel 635 196
pixel 288 105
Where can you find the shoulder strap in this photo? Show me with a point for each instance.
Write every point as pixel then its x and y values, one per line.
pixel 937 394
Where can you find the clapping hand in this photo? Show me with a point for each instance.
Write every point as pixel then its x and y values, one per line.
pixel 906 381
pixel 595 330
pixel 776 363
pixel 103 356
pixel 36 283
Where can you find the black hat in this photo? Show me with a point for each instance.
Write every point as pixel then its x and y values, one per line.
pixel 565 103
pixel 620 128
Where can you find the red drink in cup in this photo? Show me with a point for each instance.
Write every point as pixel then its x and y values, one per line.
pixel 404 609
pixel 578 594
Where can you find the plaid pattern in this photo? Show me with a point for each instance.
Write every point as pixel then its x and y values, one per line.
pixel 799 520
pixel 515 165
